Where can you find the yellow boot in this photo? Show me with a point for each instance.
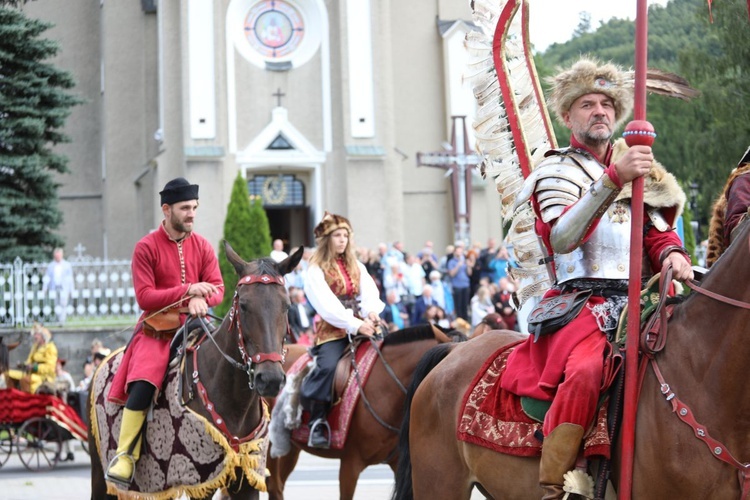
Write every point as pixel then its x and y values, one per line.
pixel 122 467
pixel 559 454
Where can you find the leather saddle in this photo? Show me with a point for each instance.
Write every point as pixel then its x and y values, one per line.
pixel 344 368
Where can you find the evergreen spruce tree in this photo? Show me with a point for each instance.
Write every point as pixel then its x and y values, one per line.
pixel 246 229
pixel 33 107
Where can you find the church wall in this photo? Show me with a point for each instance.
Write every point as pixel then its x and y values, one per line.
pixel 385 194
pixel 77 31
pixel 419 105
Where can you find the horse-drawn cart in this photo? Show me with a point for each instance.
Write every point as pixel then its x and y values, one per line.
pixel 35 426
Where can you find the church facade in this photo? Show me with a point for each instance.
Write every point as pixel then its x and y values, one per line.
pixel 317 104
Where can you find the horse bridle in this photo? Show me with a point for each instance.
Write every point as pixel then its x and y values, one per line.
pixel 259 357
pixel 248 362
pixel 679 408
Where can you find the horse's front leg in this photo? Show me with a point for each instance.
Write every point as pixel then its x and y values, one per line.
pixel 351 467
pixel 281 468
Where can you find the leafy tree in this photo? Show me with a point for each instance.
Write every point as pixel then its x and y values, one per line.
pixel 246 229
pixel 584 23
pixel 34 105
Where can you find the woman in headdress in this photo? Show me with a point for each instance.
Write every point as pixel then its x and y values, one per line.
pixel 347 301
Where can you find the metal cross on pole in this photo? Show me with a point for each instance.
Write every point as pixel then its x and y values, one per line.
pixel 458 162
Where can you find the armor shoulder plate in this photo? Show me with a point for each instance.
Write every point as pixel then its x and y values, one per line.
pixel 561 180
pixel 658 220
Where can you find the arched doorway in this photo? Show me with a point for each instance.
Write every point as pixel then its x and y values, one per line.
pixel 285 202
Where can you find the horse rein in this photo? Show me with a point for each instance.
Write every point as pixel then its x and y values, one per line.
pixel 693 285
pixel 247 365
pixel 389 370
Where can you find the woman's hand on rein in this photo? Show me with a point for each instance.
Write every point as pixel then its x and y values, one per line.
pixel 367 328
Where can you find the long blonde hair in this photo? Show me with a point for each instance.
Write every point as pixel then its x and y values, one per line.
pixel 325 258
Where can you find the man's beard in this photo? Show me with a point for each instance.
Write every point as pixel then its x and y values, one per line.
pixel 598 137
pixel 179 226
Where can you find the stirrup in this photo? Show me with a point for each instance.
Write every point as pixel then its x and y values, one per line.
pixel 120 482
pixel 324 423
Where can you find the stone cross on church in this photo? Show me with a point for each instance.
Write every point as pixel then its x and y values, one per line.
pixel 458 163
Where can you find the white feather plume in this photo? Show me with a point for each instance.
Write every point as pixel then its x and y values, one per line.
pixel 494 129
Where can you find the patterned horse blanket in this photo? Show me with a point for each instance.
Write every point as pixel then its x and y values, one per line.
pixel 183 453
pixel 494 418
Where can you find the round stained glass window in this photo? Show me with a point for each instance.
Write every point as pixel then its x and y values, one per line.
pixel 274 28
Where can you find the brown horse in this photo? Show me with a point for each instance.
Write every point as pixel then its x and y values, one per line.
pixel 704 363
pixel 373 434
pixel 228 367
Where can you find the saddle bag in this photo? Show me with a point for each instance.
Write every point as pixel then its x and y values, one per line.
pixel 162 325
pixel 554 313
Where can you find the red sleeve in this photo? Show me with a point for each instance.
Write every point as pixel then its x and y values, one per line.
pixel 144 266
pixel 738 200
pixel 656 242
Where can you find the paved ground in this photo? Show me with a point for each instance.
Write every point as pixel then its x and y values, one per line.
pixel 313 479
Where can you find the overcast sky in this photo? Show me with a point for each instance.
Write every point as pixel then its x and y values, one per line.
pixel 553 21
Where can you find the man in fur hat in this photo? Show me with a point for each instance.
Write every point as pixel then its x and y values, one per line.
pixel 173 268
pixel 732 208
pixel 581 196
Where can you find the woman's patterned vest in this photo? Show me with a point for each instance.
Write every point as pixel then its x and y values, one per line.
pixel 337 278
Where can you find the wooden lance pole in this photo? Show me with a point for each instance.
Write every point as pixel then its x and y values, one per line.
pixel 637 132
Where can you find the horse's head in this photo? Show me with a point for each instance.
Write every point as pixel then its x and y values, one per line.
pixel 259 317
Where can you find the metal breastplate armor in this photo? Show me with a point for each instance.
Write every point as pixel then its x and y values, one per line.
pixel 606 254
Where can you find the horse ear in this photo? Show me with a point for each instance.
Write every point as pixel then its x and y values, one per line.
pixel 287 265
pixel 234 259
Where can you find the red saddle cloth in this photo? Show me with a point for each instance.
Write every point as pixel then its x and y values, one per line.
pixel 340 416
pixel 493 418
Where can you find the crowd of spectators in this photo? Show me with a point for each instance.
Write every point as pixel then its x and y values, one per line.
pixel 457 288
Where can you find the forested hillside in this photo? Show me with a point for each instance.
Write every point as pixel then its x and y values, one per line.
pixel 699 141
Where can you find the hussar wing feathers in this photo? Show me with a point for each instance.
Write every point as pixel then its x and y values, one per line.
pixel 512 126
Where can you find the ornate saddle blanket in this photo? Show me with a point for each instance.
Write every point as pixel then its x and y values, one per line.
pixel 182 454
pixel 340 416
pixel 494 418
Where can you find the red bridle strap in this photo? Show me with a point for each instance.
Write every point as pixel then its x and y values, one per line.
pixel 718 450
pixel 263 279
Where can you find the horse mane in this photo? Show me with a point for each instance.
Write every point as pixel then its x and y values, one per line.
pixel 417 333
pixel 266 265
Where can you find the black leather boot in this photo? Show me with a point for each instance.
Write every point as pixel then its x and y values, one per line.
pixel 320 431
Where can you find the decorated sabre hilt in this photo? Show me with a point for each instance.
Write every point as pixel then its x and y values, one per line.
pixel 639 133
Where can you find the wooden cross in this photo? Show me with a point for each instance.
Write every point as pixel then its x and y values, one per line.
pixel 455 161
pixel 278 96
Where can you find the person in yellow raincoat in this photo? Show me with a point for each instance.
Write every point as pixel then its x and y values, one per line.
pixel 40 365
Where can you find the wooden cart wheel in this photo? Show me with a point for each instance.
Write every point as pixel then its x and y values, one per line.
pixel 6 443
pixel 39 444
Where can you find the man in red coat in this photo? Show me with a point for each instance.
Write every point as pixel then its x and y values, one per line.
pixel 173 268
pixel 581 196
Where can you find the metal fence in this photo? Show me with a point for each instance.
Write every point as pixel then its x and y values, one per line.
pixel 103 293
